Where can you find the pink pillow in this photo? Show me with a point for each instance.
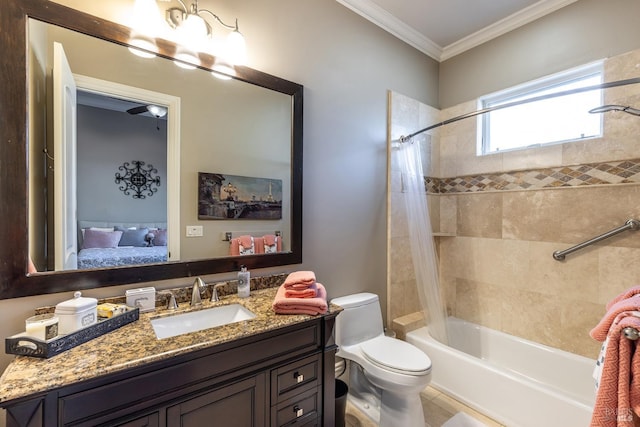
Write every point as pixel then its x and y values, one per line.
pixel 161 237
pixel 101 239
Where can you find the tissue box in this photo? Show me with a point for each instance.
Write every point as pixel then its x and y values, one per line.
pixel 142 298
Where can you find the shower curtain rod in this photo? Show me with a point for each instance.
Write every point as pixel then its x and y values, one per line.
pixel 617 83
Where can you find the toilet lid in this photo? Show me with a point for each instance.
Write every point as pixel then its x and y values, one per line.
pixel 396 355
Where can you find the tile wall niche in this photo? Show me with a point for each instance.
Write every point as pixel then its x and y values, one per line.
pixel 507 213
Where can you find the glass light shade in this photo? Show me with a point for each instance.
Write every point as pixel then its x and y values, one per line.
pixel 146 18
pixel 193 33
pixel 220 76
pixel 222 70
pixel 157 111
pixel 143 47
pixel 236 48
pixel 185 59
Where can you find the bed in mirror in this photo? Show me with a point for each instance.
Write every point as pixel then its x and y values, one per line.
pixel 133 175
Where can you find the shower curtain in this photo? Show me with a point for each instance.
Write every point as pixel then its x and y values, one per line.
pixel 411 158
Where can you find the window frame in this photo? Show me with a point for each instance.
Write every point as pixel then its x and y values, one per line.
pixel 530 90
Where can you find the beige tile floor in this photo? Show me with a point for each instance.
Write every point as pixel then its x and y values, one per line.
pixel 438 408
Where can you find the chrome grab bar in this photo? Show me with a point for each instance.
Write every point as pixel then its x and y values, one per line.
pixel 631 224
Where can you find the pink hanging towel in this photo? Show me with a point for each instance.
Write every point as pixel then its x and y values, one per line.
pixel 618 396
pixel 243 245
pixel 624 295
pixel 272 243
pixel 599 333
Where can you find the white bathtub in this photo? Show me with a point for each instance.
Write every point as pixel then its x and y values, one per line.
pixel 514 381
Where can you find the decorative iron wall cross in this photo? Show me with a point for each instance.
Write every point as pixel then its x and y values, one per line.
pixel 138 179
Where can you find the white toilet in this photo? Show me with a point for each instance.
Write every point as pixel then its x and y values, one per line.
pixel 386 375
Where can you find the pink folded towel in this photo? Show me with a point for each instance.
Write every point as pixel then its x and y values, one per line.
pixel 599 333
pixel 300 280
pixel 618 396
pixel 312 306
pixel 310 292
pixel 624 295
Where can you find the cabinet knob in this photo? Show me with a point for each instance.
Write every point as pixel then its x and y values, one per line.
pixel 298 410
pixel 298 377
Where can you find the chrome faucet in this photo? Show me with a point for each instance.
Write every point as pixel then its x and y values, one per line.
pixel 198 287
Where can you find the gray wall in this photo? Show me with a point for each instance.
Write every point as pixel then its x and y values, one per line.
pixel 102 148
pixel 584 31
pixel 346 65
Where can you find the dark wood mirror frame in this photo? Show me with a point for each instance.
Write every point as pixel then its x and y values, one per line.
pixel 14 140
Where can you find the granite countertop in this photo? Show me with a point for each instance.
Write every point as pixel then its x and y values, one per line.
pixel 135 344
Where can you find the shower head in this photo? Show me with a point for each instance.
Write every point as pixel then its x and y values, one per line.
pixel 606 108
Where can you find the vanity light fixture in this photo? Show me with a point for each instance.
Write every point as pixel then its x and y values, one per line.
pixel 194 32
pixel 187 26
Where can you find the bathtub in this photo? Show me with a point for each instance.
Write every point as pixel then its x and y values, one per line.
pixel 517 382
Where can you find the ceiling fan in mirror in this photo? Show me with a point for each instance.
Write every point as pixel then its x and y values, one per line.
pixel 156 111
pixel 153 110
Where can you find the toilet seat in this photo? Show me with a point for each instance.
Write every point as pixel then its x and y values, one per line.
pixel 396 355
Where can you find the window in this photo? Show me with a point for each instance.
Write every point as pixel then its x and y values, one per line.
pixel 548 121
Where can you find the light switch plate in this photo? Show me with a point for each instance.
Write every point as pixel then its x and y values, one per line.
pixel 194 231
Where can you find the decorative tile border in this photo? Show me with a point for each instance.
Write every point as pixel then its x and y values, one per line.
pixel 622 172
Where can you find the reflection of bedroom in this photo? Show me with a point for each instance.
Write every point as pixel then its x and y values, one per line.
pixel 123 228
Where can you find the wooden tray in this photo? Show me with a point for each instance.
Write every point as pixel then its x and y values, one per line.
pixel 24 345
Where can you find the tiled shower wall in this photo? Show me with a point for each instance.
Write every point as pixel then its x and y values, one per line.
pixel 505 214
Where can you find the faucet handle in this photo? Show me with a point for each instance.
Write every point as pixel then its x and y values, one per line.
pixel 214 292
pixel 172 305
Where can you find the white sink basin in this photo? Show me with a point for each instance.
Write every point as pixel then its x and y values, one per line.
pixel 171 326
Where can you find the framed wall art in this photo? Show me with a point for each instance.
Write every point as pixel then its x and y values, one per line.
pixel 223 196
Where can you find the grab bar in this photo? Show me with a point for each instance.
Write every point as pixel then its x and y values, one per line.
pixel 632 224
pixel 227 236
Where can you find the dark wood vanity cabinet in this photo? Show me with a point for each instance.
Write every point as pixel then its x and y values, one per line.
pixel 278 378
pixel 238 404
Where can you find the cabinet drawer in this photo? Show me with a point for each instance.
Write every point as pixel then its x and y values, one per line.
pixel 151 420
pixel 289 380
pixel 300 410
pixel 310 423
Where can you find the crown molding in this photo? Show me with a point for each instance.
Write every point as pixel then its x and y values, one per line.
pixel 377 15
pixel 383 19
pixel 510 23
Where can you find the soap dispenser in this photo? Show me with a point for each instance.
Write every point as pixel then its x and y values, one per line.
pixel 244 280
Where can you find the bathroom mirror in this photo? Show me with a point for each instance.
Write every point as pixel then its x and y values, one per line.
pixel 20 143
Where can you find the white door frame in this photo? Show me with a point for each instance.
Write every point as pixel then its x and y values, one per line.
pixel 117 90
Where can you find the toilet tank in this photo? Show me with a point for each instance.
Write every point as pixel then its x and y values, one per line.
pixel 361 319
